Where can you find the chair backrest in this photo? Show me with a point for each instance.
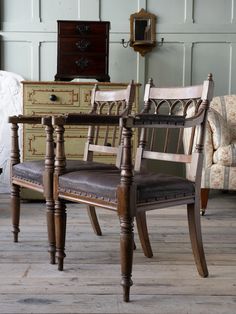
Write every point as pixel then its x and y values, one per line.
pixel 187 108
pixel 107 140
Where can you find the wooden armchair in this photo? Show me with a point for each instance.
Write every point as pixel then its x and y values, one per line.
pixel 38 174
pixel 170 145
pixel 131 193
pixel 32 175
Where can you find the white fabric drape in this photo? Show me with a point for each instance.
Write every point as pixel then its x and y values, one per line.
pixel 10 104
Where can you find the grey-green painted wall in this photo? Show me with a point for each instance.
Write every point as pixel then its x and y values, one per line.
pixel 199 37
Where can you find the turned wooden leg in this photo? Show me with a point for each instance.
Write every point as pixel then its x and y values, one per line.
pixel 51 230
pixel 204 200
pixel 196 239
pixel 60 230
pixel 94 220
pixel 143 234
pixel 126 252
pixel 15 208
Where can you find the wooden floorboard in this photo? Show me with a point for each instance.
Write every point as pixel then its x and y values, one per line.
pixel 166 283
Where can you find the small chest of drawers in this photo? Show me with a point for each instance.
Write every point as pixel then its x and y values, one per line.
pixel 83 50
pixel 51 98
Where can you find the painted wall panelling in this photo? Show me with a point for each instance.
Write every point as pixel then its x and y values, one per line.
pixel 196 42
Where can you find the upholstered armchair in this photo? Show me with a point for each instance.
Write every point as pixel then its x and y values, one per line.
pixel 220 147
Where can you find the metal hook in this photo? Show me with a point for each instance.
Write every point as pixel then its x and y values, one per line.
pixel 161 43
pixel 124 43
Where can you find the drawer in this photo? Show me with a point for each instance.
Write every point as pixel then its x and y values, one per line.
pixel 83 64
pixel 72 45
pixel 54 110
pixel 69 97
pixel 34 144
pixel 51 97
pixel 34 128
pixel 84 28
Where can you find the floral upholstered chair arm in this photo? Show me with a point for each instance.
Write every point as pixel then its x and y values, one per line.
pixel 220 145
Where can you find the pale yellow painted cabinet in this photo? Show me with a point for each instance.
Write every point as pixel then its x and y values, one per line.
pixel 54 98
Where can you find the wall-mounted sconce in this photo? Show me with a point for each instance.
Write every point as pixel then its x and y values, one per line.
pixel 142 32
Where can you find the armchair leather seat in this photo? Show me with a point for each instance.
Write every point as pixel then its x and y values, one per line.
pixel 33 170
pixel 30 170
pixel 149 185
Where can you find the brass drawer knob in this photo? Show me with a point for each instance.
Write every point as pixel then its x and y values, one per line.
pixel 83 28
pixel 53 97
pixel 83 44
pixel 82 63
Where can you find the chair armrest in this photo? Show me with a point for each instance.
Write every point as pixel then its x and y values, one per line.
pixel 85 119
pixel 221 134
pixel 208 148
pixel 152 121
pixel 29 119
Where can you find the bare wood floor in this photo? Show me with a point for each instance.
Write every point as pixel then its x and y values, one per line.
pixel 167 283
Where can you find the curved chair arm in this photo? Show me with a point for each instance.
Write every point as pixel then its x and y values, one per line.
pixel 208 148
pixel 85 119
pixel 29 119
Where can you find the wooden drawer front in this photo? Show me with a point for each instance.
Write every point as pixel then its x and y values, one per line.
pixel 41 129
pixel 34 144
pixel 82 104
pixel 72 45
pixel 81 64
pixel 75 138
pixel 54 111
pixel 82 28
pixel 51 97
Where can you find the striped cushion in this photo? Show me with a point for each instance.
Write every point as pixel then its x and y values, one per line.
pixel 225 155
pixel 220 131
pixel 219 177
pixel 226 106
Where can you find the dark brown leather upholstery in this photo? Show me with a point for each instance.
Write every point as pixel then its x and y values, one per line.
pixel 30 170
pixel 103 184
pixel 33 170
